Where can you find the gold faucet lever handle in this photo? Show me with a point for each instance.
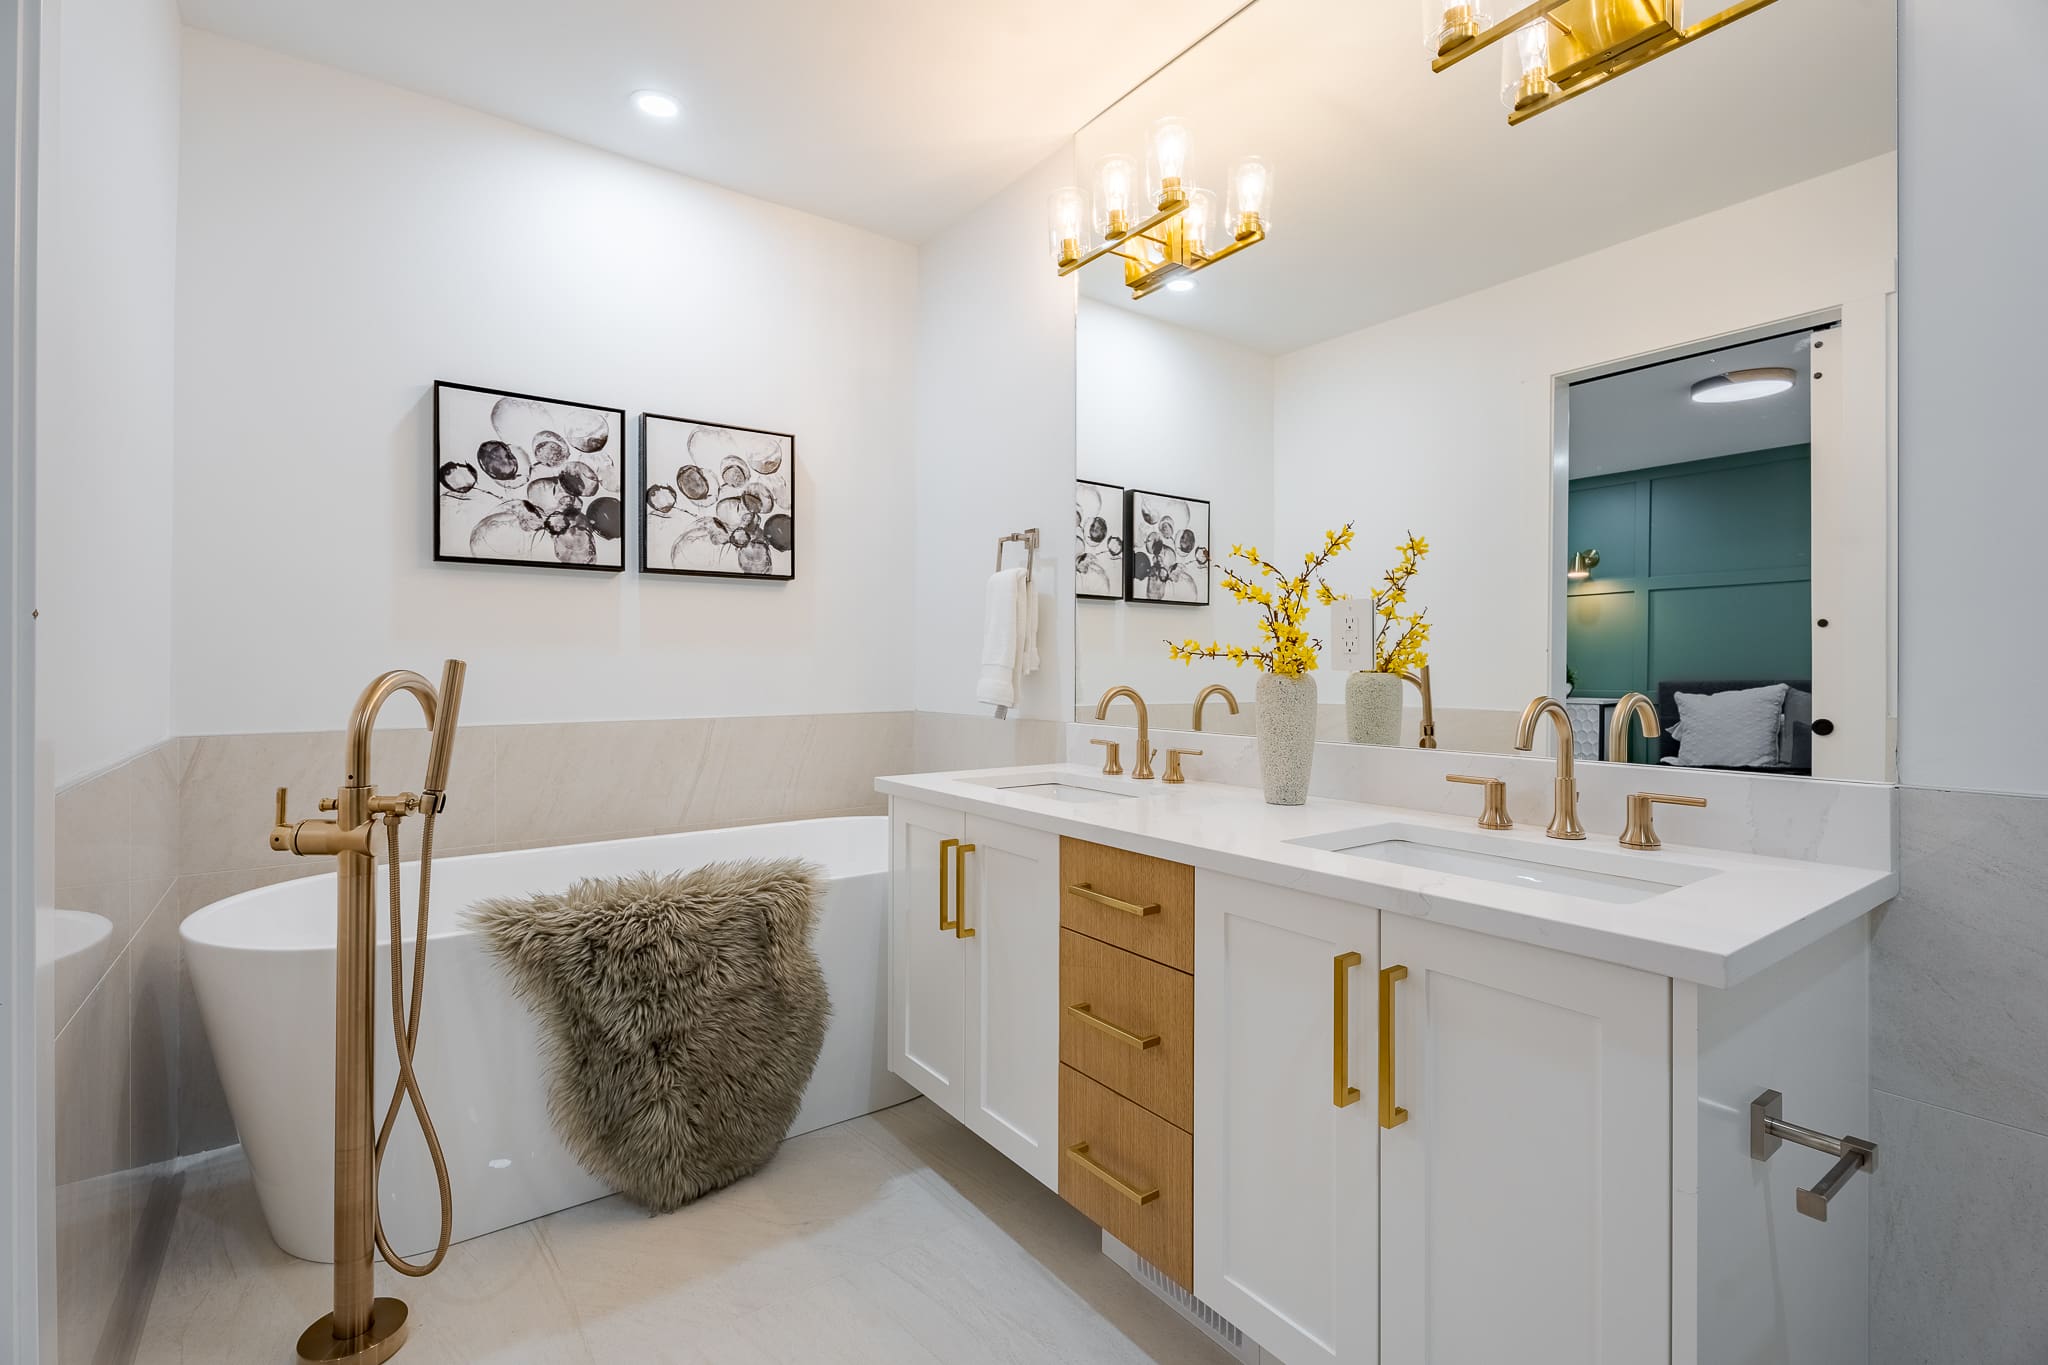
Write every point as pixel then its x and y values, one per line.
pixel 1641 830
pixel 282 806
pixel 1112 762
pixel 1173 757
pixel 1495 814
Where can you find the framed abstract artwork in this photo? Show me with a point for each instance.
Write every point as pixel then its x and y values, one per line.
pixel 520 479
pixel 716 501
pixel 1098 540
pixel 1166 540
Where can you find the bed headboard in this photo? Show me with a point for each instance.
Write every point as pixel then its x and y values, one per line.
pixel 1667 702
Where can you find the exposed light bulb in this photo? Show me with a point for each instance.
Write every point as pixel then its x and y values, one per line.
pixel 1453 23
pixel 654 104
pixel 1166 160
pixel 1116 182
pixel 1525 66
pixel 1251 197
pixel 1065 213
pixel 1196 220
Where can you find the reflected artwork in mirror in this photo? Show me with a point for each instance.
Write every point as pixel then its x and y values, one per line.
pixel 1635 383
pixel 1098 541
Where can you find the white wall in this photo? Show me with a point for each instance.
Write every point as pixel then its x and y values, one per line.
pixel 105 387
pixel 994 396
pixel 1973 464
pixel 1440 422
pixel 343 244
pixel 1176 411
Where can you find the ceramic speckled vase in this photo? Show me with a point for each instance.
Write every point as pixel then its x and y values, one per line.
pixel 1372 708
pixel 1287 737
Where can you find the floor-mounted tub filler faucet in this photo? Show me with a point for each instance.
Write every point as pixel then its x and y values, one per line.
pixel 363 1328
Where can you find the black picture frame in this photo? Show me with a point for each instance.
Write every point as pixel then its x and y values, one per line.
pixel 1140 507
pixel 782 478
pixel 438 472
pixel 1106 554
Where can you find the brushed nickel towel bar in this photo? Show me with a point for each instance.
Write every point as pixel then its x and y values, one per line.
pixel 1768 1130
pixel 1029 540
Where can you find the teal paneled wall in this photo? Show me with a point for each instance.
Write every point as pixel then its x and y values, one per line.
pixel 1706 571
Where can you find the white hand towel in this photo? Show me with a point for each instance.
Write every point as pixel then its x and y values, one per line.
pixel 1003 634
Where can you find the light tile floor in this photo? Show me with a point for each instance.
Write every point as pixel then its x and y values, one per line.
pixel 898 1239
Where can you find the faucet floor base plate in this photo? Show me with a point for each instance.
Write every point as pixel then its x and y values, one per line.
pixel 319 1346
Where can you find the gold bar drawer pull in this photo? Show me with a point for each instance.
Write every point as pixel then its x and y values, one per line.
pixel 1088 893
pixel 1079 1151
pixel 1086 1014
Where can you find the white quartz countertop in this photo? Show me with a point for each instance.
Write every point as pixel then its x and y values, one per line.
pixel 1735 915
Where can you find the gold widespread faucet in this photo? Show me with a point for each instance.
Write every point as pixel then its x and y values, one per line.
pixel 1420 680
pixel 1213 690
pixel 1630 706
pixel 1141 771
pixel 1564 818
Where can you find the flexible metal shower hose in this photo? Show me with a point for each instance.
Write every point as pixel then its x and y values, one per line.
pixel 405 1033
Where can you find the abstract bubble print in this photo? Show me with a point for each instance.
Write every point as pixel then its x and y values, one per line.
pixel 528 480
pixel 717 500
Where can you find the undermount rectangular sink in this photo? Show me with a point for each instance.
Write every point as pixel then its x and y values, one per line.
pixel 1054 785
pixel 1582 875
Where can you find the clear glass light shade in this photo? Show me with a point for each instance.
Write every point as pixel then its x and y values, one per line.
pixel 1198 223
pixel 1116 196
pixel 1166 159
pixel 1251 196
pixel 1067 224
pixel 1450 22
pixel 1525 65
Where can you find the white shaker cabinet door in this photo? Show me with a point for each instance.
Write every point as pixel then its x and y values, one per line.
pixel 1286 1139
pixel 928 960
pixel 1012 914
pixel 1525 1197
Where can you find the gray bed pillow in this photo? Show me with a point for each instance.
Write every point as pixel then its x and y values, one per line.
pixel 1731 729
pixel 1795 736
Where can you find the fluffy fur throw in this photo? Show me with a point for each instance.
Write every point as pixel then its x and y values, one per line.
pixel 684 1012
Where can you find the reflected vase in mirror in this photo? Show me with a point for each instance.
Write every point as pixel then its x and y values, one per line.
pixel 1372 707
pixel 1286 724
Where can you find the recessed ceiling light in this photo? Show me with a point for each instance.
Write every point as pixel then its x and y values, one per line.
pixel 654 104
pixel 1743 386
pixel 1179 286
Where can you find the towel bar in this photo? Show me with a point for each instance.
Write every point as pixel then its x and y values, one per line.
pixel 1029 539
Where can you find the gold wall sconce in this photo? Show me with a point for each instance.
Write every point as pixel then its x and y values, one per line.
pixel 1583 564
pixel 1182 231
pixel 1557 50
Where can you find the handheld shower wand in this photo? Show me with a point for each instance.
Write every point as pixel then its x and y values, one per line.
pixel 363 1328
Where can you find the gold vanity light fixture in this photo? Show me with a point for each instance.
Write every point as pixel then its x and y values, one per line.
pixel 1163 227
pixel 1583 564
pixel 1557 50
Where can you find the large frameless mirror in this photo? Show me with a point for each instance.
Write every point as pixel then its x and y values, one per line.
pixel 1597 401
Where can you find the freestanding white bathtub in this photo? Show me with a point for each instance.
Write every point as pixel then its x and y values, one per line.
pixel 262 964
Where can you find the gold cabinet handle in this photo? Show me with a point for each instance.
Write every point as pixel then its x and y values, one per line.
pixel 1086 1014
pixel 1079 1151
pixel 1343 1093
pixel 960 891
pixel 1089 893
pixel 945 846
pixel 1392 1115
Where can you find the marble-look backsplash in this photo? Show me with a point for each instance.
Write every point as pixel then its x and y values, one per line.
pixel 1850 823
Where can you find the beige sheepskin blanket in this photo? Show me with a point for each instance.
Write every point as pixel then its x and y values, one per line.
pixel 683 1011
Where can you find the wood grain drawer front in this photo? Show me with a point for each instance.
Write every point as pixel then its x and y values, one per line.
pixel 1129 1022
pixel 1131 1172
pixel 1145 905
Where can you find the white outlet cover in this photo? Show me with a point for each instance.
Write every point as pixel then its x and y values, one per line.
pixel 1350 642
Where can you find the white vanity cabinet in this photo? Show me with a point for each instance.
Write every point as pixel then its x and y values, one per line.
pixel 974 976
pixel 1286 1123
pixel 1524 1208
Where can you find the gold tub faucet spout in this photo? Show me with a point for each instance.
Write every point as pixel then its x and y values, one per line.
pixel 1564 818
pixel 1213 690
pixel 1141 770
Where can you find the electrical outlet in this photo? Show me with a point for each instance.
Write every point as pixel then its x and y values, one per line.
pixel 1350 635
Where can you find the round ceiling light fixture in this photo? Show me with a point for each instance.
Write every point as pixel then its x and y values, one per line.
pixel 1743 386
pixel 654 104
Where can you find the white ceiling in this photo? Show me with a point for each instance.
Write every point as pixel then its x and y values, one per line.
pixel 894 115
pixel 1396 188
pixel 1646 417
